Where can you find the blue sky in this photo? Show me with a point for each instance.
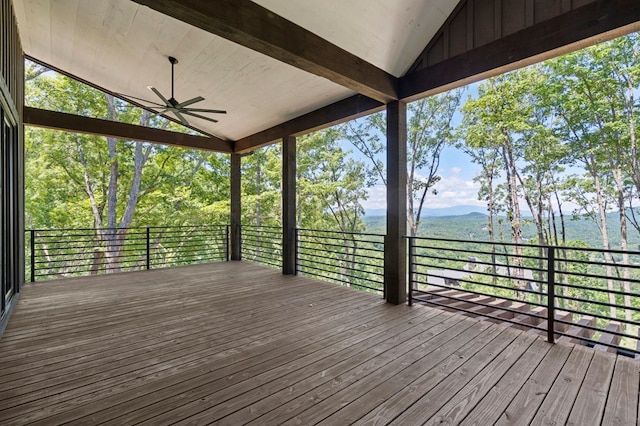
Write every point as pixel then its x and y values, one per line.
pixel 456 170
pixel 456 187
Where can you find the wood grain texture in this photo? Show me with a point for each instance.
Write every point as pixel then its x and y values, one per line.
pixel 576 29
pixel 622 403
pixel 590 402
pixel 561 396
pixel 95 126
pixel 251 25
pixel 338 112
pixel 238 343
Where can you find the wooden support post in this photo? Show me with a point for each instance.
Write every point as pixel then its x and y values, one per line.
pixel 236 207
pixel 289 205
pixel 395 251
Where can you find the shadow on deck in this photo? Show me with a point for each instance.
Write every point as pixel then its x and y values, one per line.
pixel 237 343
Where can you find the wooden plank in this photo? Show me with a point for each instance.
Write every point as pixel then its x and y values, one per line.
pixel 607 337
pixel 564 316
pixel 489 409
pixel 235 342
pixel 590 404
pixel 622 401
pixel 338 112
pixel 579 330
pixel 574 30
pixel 323 366
pixel 255 409
pixel 95 126
pixel 526 402
pixel 449 402
pixel 464 305
pixel 13 396
pixel 206 332
pixel 493 308
pixel 435 370
pixel 357 381
pixel 395 251
pixel 252 330
pixel 70 404
pixel 438 396
pixel 255 27
pixel 560 398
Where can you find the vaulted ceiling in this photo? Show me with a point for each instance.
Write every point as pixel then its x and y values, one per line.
pixel 123 46
pixel 281 66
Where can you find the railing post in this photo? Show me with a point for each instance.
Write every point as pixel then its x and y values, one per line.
pixel 148 248
pixel 296 241
pixel 412 271
pixel 33 254
pixel 227 248
pixel 551 293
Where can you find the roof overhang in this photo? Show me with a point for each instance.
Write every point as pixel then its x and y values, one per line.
pixel 283 68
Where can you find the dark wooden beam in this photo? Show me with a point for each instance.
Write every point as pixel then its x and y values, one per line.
pixel 341 111
pixel 289 205
pixel 95 126
pixel 588 25
pixel 395 252
pixel 253 26
pixel 236 206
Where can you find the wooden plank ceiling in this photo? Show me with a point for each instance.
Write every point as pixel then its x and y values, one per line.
pixel 282 67
pixel 123 46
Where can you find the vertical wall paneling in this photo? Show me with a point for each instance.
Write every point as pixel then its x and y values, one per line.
pixel 11 162
pixel 475 23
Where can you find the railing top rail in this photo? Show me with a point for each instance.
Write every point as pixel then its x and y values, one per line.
pixel 496 243
pixel 130 228
pixel 341 232
pixel 261 226
pixel 501 243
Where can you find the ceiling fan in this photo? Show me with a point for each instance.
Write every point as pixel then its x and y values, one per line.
pixel 179 109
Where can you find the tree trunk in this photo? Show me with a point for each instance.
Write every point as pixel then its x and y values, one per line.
pixel 515 218
pixel 605 243
pixel 624 246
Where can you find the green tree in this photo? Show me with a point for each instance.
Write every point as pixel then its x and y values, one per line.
pixel 429 130
pixel 106 183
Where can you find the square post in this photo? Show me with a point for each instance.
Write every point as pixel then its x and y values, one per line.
pixel 236 207
pixel 395 251
pixel 289 205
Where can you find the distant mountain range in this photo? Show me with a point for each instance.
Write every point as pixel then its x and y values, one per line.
pixel 453 223
pixel 438 212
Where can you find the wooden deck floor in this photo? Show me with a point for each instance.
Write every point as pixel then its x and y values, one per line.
pixel 235 343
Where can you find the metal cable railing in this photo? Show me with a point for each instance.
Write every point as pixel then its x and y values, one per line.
pixel 262 244
pixel 347 258
pixel 57 253
pixel 585 296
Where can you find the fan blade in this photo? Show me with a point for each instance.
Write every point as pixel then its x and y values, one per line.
pixel 158 94
pixel 212 111
pixel 139 99
pixel 199 116
pixel 159 112
pixel 180 117
pixel 190 101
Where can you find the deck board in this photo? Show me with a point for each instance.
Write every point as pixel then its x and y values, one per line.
pixel 237 343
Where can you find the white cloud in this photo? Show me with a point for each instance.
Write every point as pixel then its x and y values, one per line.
pixel 377 198
pixel 452 191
